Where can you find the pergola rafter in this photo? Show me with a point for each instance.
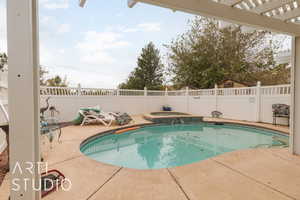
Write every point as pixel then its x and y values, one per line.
pixel 285 10
pixel 280 12
pixel 269 6
pixel 274 15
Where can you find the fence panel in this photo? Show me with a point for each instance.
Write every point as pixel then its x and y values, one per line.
pixel 235 103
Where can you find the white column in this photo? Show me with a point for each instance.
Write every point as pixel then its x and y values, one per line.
pixel 23 81
pixel 295 107
pixel 145 91
pixel 258 101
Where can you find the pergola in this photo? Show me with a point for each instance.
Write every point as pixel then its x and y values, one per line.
pixel 281 16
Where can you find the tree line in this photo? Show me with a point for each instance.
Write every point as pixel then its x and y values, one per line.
pixel 207 54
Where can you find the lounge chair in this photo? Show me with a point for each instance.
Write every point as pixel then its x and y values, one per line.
pixel 92 116
pixel 216 114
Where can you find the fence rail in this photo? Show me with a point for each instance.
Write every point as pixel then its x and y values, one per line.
pixel 237 91
pixel 276 90
pixel 73 91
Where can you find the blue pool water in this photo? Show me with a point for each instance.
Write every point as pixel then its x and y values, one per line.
pixel 162 146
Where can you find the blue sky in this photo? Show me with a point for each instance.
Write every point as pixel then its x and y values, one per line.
pixel 98 46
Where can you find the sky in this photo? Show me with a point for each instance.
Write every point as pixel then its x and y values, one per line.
pixel 97 46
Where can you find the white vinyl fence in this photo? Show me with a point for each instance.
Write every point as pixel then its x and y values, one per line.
pixel 249 103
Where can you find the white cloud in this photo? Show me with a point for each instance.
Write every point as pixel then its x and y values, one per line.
pixel 63 28
pixel 61 51
pixel 51 25
pixel 130 30
pixel 143 27
pixel 96 47
pixel 150 27
pixel 46 56
pixel 45 20
pixel 55 4
pixel 120 14
pixel 3 40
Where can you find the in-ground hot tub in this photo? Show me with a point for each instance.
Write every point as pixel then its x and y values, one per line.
pixel 168 117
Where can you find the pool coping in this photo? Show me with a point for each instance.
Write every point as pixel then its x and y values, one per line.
pixel 246 123
pixel 149 116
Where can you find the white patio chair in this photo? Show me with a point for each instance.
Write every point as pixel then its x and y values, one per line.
pixel 103 117
pixel 4 134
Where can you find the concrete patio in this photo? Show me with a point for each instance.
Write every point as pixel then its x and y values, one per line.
pixel 247 174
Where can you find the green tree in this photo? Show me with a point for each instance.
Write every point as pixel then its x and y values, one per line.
pixel 280 74
pixel 149 71
pixel 3 60
pixel 207 54
pixel 57 81
pixel 43 73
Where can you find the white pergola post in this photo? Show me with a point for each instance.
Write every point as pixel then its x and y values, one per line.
pixel 23 80
pixel 295 112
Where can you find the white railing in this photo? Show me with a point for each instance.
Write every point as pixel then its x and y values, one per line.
pixel 249 103
pixel 59 91
pixel 276 90
pixel 156 93
pixel 236 91
pixel 176 93
pixel 73 91
pixel 203 92
pixel 123 92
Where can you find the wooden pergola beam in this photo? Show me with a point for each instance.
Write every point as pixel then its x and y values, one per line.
pixel 221 11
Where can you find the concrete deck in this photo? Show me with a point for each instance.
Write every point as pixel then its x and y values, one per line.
pixel 248 174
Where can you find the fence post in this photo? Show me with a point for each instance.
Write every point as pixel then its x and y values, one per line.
pixel 258 101
pixel 145 91
pixel 187 91
pixel 79 90
pixel 166 91
pixel 216 96
pixel 187 99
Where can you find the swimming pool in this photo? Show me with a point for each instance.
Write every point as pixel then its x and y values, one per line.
pixel 163 146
